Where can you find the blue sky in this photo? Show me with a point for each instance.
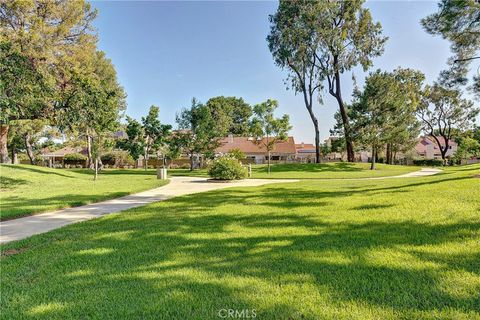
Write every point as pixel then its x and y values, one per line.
pixel 166 53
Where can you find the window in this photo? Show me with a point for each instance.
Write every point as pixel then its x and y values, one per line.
pixel 273 157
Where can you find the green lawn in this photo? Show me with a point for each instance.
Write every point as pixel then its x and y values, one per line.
pixel 371 249
pixel 28 189
pixel 333 170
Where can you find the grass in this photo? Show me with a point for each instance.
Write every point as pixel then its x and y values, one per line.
pixel 25 190
pixel 333 170
pixel 371 249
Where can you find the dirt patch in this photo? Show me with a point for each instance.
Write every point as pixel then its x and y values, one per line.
pixel 476 176
pixel 11 252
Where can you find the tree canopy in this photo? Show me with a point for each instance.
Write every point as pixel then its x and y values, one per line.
pixel 458 21
pixel 266 129
pixel 317 41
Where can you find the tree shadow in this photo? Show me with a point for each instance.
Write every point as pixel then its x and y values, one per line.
pixel 43 172
pixel 188 257
pixel 11 183
pixel 310 167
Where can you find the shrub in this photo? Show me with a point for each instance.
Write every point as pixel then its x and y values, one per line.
pixel 108 159
pixel 237 154
pixel 428 162
pixel 227 168
pixel 117 158
pixel 184 166
pixel 74 159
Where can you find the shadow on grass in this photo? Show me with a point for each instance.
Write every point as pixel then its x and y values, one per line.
pixel 187 258
pixel 45 172
pixel 11 183
pixel 311 167
pixel 112 172
pixel 192 265
pixel 16 207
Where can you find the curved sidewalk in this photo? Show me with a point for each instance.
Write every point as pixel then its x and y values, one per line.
pixel 25 227
pixel 21 228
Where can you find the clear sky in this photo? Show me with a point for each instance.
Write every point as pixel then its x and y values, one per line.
pixel 166 53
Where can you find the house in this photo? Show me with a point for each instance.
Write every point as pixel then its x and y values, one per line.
pixel 57 156
pixel 283 151
pixel 305 152
pixel 427 148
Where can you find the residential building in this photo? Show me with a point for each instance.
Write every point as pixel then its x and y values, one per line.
pixel 283 151
pixel 427 148
pixel 305 152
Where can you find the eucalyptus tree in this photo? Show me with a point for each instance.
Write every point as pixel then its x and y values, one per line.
pixel 40 40
pixel 317 41
pixel 266 129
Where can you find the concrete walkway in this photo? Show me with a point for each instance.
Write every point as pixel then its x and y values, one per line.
pixel 22 228
pixel 421 173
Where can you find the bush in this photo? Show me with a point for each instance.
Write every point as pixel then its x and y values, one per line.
pixel 428 162
pixel 237 154
pixel 184 166
pixel 227 168
pixel 74 159
pixel 117 158
pixel 108 159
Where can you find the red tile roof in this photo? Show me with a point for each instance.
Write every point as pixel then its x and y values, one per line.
pixel 64 151
pixel 246 145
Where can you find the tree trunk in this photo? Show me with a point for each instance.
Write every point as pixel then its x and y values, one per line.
pixel 29 148
pixel 3 143
pixel 388 154
pixel 191 161
pixel 317 143
pixel 308 104
pixel 145 159
pixel 343 112
pixel 89 152
pixel 374 155
pixel 14 155
pixel 268 161
pixel 96 169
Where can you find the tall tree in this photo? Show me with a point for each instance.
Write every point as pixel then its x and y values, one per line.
pixel 40 39
pixel 385 108
pixel 134 141
pixel 232 113
pixel 155 134
pixel 405 96
pixel 198 133
pixel 444 111
pixel 318 41
pixel 458 21
pixel 96 104
pixel 267 129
